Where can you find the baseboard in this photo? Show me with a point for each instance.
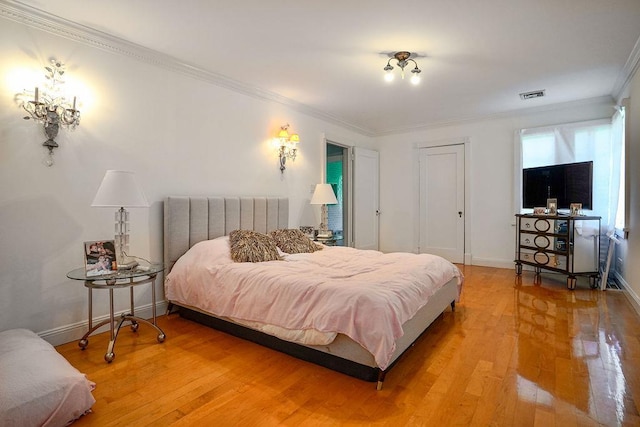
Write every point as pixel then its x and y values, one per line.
pixel 75 331
pixel 467 259
pixel 629 293
pixel 490 262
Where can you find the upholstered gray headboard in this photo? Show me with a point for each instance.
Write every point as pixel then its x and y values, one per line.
pixel 189 220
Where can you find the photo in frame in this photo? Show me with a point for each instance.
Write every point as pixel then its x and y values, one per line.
pixel 307 230
pixel 100 257
pixel 575 209
pixel 539 211
pixel 552 206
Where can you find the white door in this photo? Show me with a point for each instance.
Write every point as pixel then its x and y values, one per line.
pixel 442 202
pixel 365 198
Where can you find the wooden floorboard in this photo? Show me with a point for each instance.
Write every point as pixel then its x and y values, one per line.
pixel 516 352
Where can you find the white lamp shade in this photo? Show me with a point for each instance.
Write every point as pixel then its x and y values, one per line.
pixel 323 195
pixel 120 189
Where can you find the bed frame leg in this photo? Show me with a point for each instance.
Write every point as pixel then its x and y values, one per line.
pixel 453 306
pixel 169 308
pixel 381 375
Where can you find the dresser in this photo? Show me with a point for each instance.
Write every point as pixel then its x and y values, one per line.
pixel 561 243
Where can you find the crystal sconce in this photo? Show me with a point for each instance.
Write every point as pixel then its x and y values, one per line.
pixel 50 108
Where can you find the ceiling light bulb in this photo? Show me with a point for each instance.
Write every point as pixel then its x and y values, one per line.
pixel 388 75
pixel 415 75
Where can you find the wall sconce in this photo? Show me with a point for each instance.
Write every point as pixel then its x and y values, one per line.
pixel 50 108
pixel 287 145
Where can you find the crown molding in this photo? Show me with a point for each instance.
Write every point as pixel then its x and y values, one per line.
pixel 603 100
pixel 627 73
pixel 36 18
pixel 58 26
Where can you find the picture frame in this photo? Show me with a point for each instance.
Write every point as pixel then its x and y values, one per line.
pixel 539 211
pixel 307 230
pixel 100 258
pixel 575 209
pixel 552 206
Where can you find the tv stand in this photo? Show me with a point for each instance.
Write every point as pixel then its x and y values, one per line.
pixel 562 243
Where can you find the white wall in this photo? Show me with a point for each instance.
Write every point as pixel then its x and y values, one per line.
pixel 490 238
pixel 630 249
pixel 179 134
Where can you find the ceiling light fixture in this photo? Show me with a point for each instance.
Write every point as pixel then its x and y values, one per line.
pixel 402 58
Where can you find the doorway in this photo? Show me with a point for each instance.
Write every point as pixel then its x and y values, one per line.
pixel 337 173
pixel 442 201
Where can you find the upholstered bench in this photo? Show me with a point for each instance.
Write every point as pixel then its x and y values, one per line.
pixel 38 387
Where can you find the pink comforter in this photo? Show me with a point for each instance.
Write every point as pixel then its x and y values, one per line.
pixel 366 295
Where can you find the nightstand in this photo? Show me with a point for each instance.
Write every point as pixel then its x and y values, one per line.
pixel 329 241
pixel 119 280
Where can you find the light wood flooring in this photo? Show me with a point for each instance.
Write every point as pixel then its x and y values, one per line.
pixel 514 353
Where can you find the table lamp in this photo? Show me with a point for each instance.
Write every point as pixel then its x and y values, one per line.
pixel 324 195
pixel 120 189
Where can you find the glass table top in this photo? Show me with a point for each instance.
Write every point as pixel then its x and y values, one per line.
pixel 139 271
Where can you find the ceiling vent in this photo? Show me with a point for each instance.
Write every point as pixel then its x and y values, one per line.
pixel 530 95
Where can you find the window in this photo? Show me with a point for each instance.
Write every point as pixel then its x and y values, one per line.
pixel 578 142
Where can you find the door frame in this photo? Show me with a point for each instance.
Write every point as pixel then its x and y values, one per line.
pixel 347 188
pixel 466 142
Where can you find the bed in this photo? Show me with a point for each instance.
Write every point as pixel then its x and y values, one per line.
pixel 195 229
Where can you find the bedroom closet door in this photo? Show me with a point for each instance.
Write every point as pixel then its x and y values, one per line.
pixel 366 198
pixel 442 202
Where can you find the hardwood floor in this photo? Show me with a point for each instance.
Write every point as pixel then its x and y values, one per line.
pixel 514 353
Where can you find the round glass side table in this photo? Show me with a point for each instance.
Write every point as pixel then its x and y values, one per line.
pixel 117 280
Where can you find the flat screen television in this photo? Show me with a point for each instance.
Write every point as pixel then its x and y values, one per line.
pixel 569 183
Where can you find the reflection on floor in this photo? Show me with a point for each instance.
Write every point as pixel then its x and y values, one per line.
pixel 515 352
pixel 571 346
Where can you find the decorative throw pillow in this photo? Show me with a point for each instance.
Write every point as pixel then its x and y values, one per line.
pixel 293 241
pixel 251 246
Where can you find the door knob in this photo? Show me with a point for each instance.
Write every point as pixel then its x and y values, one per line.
pixel 460 214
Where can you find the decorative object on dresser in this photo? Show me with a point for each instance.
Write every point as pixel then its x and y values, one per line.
pixel 287 145
pixel 324 195
pixel 50 108
pixel 121 189
pixel 560 243
pixel 575 209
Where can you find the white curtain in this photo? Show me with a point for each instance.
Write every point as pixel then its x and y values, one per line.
pixel 617 136
pixel 596 141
